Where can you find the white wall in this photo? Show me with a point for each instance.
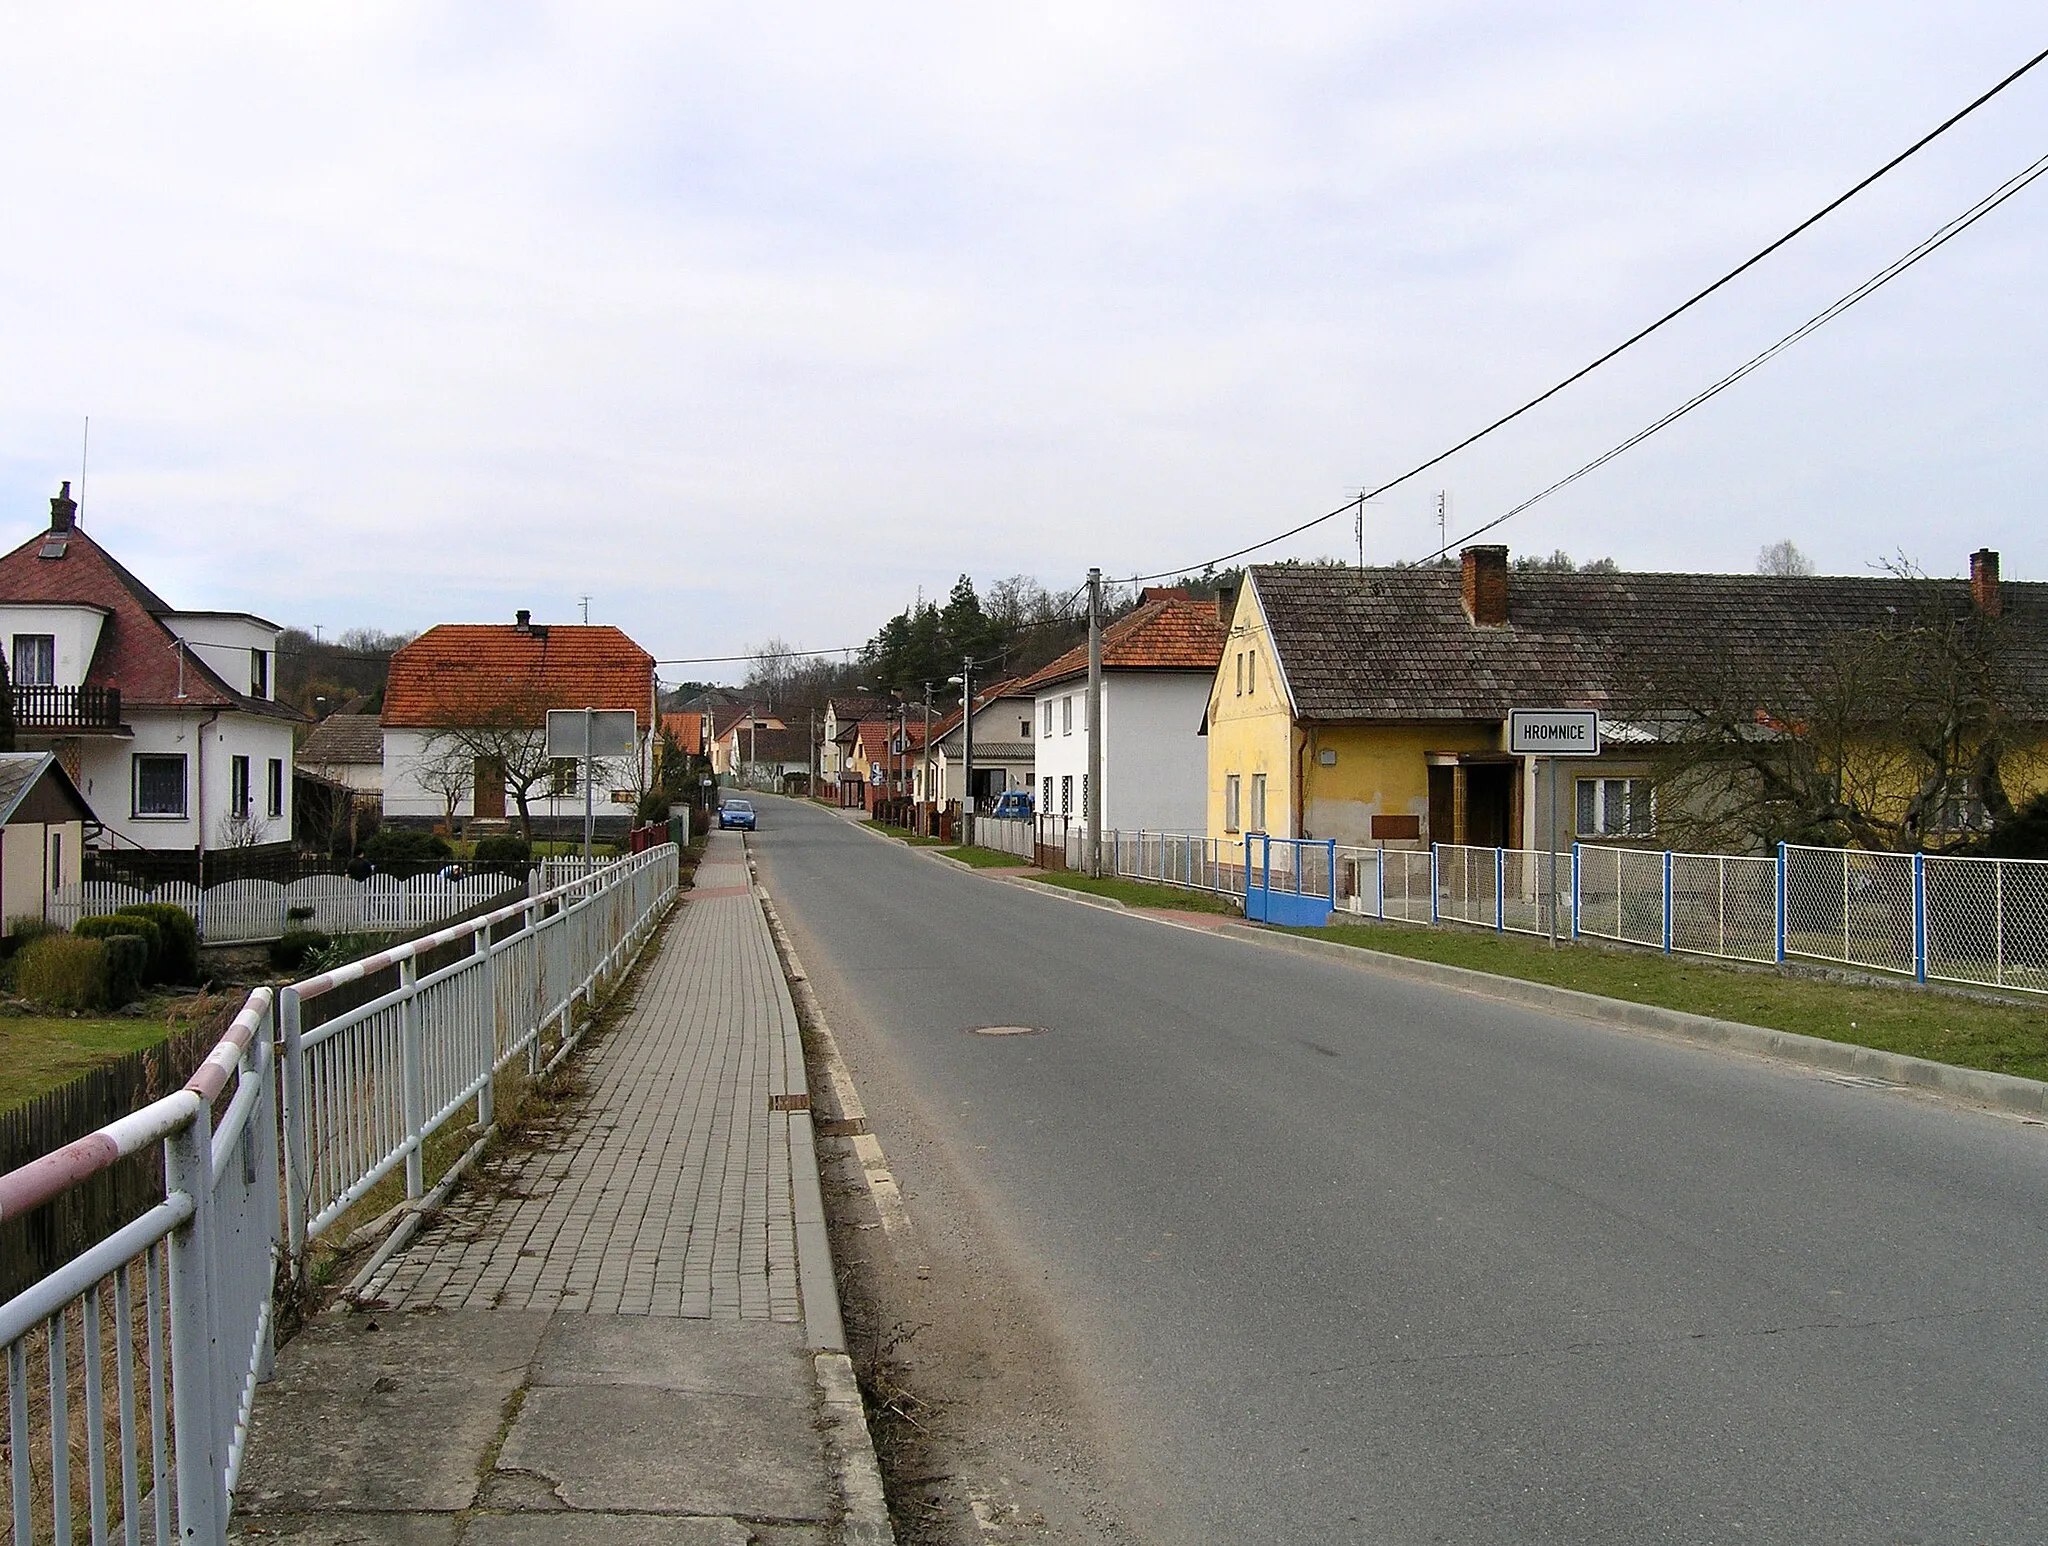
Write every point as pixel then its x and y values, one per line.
pixel 106 776
pixel 404 796
pixel 1155 766
pixel 76 631
pixel 224 642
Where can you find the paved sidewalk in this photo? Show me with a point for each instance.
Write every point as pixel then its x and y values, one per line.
pixel 629 1334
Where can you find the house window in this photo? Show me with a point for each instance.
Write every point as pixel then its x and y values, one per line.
pixel 1240 673
pixel 1258 802
pixel 1023 729
pixel 1233 789
pixel 1045 804
pixel 1067 715
pixel 35 659
pixel 1251 671
pixel 274 787
pixel 1084 794
pixel 1962 806
pixel 55 878
pixel 1614 807
pixel 238 788
pixel 259 673
pixel 1045 718
pixel 562 776
pixel 159 784
pixel 1066 794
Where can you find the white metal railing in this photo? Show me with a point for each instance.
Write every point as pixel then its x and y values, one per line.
pixel 1184 859
pixel 142 1428
pixel 254 910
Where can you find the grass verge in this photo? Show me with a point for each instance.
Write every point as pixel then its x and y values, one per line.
pixel 984 858
pixel 2004 1038
pixel 904 834
pixel 40 1053
pixel 1139 893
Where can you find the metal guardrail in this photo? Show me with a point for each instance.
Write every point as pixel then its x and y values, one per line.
pixel 171 1315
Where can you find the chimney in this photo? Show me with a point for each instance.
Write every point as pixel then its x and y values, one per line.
pixel 522 621
pixel 1486 584
pixel 64 514
pixel 1984 582
pixel 1226 603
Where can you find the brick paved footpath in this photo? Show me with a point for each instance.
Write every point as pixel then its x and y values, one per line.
pixel 667 1190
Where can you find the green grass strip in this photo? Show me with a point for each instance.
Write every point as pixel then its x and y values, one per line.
pixel 1139 893
pixel 984 858
pixel 2005 1037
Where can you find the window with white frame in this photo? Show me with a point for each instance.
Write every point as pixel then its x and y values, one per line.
pixel 259 673
pixel 35 659
pixel 274 787
pixel 1233 790
pixel 1258 802
pixel 1614 807
pixel 1240 674
pixel 238 788
pixel 1045 714
pixel 1251 671
pixel 158 784
pixel 1067 715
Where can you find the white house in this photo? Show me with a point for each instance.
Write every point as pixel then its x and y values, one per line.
pixel 348 749
pixel 166 721
pixel 1003 749
pixel 465 708
pixel 1158 664
pixel 840 714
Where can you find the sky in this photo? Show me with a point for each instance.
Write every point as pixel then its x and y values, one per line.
pixel 754 322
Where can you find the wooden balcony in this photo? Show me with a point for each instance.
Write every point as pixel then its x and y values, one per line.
pixel 67 710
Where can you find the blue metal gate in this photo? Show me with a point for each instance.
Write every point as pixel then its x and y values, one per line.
pixel 1301 889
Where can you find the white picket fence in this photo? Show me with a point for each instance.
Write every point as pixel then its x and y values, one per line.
pixel 239 911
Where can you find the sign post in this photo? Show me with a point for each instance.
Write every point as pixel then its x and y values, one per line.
pixel 590 736
pixel 1551 734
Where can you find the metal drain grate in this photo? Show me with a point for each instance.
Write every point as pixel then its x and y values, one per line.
pixel 1862 1081
pixel 789 1103
pixel 1008 1030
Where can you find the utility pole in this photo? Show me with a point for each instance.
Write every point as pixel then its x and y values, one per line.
pixel 928 800
pixel 1092 806
pixel 967 749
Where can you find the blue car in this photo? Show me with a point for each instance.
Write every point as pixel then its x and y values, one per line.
pixel 1013 802
pixel 736 813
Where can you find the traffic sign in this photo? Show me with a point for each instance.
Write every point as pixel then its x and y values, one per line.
pixel 1554 732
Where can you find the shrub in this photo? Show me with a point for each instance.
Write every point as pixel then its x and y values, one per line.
pixel 503 850
pixel 396 846
pixel 297 914
pixel 290 952
pixel 109 925
pixel 344 948
pixel 180 938
pixel 63 971
pixel 127 967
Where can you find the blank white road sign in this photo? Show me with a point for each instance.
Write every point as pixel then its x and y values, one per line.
pixel 613 733
pixel 1554 732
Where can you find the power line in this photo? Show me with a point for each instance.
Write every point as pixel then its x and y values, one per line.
pixel 1884 276
pixel 1633 339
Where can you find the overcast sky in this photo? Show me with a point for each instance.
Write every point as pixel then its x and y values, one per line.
pixel 749 321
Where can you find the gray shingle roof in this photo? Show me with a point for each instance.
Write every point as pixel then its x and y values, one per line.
pixel 343 738
pixel 1396 644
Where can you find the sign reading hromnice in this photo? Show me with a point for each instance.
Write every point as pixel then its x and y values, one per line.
pixel 614 733
pixel 1554 732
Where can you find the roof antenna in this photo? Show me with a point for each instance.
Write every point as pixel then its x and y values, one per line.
pixel 585 600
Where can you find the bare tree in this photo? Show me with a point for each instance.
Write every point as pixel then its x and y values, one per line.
pixel 502 724
pixel 446 769
pixel 1782 558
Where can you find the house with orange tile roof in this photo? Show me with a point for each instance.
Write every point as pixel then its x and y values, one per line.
pixel 1004 716
pixel 164 719
pixel 1158 664
pixel 465 714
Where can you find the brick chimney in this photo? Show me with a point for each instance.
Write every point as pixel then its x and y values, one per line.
pixel 1984 582
pixel 1226 603
pixel 522 621
pixel 1486 584
pixel 64 515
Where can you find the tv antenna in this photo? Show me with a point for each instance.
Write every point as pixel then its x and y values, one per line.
pixel 1443 524
pixel 584 601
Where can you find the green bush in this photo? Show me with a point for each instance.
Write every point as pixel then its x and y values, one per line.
pixel 127 968
pixel 63 972
pixel 180 938
pixel 344 948
pixel 503 850
pixel 289 952
pixel 395 846
pixel 109 925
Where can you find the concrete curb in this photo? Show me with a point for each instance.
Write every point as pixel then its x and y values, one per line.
pixel 1998 1092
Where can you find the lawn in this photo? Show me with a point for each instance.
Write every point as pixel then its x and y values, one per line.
pixel 2003 1037
pixel 1138 893
pixel 40 1052
pixel 904 834
pixel 984 858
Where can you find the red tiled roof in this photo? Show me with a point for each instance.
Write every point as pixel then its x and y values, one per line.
pixel 874 739
pixel 1171 633
pixel 458 670
pixel 686 730
pixel 136 651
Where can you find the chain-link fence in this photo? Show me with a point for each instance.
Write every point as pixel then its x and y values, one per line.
pixel 1986 921
pixel 1621 895
pixel 1466 881
pixel 1849 906
pixel 1533 885
pixel 1724 905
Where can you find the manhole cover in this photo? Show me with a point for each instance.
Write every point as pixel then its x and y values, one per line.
pixel 1008 1030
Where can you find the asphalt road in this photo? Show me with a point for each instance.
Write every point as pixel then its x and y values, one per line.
pixel 1355 1259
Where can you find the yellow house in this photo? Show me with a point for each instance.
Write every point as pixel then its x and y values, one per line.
pixel 43 821
pixel 1370 705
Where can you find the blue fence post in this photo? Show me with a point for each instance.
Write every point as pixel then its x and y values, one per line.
pixel 1500 890
pixel 1667 901
pixel 1781 901
pixel 1380 884
pixel 1575 891
pixel 1331 846
pixel 1433 918
pixel 1920 917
